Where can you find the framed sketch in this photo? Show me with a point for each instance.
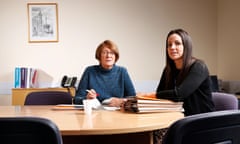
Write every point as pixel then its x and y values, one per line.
pixel 42 22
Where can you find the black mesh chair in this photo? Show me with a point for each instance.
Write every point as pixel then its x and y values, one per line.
pixel 220 127
pixel 48 98
pixel 28 130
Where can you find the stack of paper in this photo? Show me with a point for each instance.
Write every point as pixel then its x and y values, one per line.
pixel 140 105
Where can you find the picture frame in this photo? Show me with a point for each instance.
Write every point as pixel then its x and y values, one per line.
pixel 42 22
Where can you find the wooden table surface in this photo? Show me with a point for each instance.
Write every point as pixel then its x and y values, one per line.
pixel 101 122
pixel 75 122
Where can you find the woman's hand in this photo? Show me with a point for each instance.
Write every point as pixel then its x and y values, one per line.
pixel 116 102
pixel 91 94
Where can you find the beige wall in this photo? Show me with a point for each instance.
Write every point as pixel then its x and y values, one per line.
pixel 228 38
pixel 139 27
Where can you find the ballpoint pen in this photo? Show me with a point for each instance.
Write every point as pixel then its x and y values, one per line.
pixel 91 92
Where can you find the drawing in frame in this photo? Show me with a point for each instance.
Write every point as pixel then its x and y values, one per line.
pixel 42 22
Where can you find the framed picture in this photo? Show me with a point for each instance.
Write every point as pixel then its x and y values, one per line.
pixel 42 22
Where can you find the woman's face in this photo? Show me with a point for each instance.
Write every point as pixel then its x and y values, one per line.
pixel 107 59
pixel 175 47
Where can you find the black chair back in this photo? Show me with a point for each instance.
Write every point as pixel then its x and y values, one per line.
pixel 48 98
pixel 28 130
pixel 220 127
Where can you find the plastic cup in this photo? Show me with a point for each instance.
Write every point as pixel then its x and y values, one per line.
pixel 87 106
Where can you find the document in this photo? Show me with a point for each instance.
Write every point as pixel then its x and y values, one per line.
pixel 95 104
pixel 67 107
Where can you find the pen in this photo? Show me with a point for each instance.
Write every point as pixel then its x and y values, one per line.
pixel 91 92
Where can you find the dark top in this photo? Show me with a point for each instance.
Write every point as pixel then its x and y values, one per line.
pixel 194 91
pixel 115 82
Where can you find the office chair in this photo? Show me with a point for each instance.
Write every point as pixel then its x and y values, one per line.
pixel 28 130
pixel 224 101
pixel 214 83
pixel 219 127
pixel 48 98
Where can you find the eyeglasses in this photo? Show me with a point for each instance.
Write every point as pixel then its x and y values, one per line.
pixel 105 53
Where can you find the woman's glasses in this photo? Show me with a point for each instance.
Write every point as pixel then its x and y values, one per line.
pixel 105 53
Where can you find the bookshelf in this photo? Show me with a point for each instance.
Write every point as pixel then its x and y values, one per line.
pixel 19 94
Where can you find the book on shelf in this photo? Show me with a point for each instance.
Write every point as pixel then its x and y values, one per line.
pixel 33 78
pixel 25 77
pixel 140 105
pixel 17 78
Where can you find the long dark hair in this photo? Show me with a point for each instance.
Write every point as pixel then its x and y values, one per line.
pixel 187 58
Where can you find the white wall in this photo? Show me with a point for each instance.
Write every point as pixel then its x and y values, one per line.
pixel 139 28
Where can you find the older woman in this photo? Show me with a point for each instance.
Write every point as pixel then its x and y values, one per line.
pixel 106 81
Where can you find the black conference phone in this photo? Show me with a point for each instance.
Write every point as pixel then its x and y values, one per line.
pixel 68 81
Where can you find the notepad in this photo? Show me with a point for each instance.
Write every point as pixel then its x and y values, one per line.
pixel 68 107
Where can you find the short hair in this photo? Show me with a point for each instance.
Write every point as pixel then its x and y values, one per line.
pixel 109 44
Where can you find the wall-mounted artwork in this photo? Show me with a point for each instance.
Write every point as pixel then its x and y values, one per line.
pixel 42 22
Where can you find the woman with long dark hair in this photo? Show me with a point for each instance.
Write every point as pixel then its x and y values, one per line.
pixel 184 78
